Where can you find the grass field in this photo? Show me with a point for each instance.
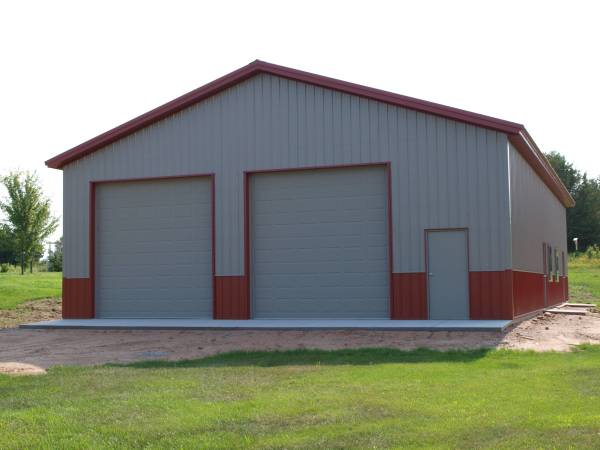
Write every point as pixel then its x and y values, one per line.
pixel 373 398
pixel 584 279
pixel 16 288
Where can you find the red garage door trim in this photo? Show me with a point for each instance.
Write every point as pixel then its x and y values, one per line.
pixel 241 284
pixel 78 293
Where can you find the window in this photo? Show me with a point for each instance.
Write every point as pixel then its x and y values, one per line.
pixel 549 262
pixel 556 267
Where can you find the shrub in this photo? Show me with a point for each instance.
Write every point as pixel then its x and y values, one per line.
pixel 55 257
pixel 593 252
pixel 4 267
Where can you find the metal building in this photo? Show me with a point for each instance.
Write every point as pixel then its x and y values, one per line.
pixel 276 193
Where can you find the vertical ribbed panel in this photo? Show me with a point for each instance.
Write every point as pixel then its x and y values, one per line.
pixel 231 298
pixel 537 217
pixel 409 296
pixel 77 298
pixel 444 173
pixel 557 291
pixel 528 292
pixel 491 295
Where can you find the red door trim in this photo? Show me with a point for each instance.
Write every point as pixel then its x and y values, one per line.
pixel 92 224
pixel 92 247
pixel 426 245
pixel 385 164
pixel 545 271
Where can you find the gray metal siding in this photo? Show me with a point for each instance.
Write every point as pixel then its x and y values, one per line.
pixel 444 173
pixel 154 249
pixel 319 244
pixel 537 216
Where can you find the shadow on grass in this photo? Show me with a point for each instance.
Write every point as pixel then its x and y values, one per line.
pixel 363 356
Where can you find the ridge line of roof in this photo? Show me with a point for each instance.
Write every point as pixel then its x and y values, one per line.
pixel 256 67
pixel 516 132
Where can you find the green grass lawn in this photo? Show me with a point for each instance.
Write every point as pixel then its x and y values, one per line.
pixel 374 398
pixel 16 288
pixel 584 280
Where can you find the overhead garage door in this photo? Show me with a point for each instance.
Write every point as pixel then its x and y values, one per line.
pixel 154 249
pixel 319 244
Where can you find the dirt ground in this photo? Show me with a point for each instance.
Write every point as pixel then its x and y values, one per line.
pixel 33 311
pixel 45 348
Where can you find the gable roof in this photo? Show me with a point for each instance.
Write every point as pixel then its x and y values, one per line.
pixel 517 134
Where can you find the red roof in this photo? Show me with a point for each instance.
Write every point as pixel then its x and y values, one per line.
pixel 517 133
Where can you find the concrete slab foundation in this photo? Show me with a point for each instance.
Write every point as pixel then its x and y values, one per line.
pixel 272 324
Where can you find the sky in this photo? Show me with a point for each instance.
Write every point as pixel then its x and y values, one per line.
pixel 72 70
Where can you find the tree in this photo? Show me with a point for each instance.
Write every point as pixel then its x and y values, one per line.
pixel 7 251
pixel 29 220
pixel 583 220
pixel 569 175
pixel 55 257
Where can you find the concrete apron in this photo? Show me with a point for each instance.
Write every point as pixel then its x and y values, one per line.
pixel 272 324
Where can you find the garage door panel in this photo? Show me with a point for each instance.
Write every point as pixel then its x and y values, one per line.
pixel 346 275
pixel 160 309
pixel 151 281
pixel 323 184
pixel 172 227
pixel 135 297
pixel 343 227
pixel 324 254
pixel 278 249
pixel 286 281
pixel 354 307
pixel 319 244
pixel 154 249
pixel 149 269
pixel 299 294
pixel 349 210
pixel 283 243
pixel 156 259
pixel 163 215
pixel 303 239
pixel 175 246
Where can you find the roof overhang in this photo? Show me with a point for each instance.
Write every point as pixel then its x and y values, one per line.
pixel 527 147
pixel 517 134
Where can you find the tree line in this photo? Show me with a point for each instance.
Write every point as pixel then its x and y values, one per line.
pixel 27 221
pixel 583 220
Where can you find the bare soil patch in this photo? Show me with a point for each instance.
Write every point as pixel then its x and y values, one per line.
pixel 547 332
pixel 32 311
pixel 15 368
pixel 45 348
